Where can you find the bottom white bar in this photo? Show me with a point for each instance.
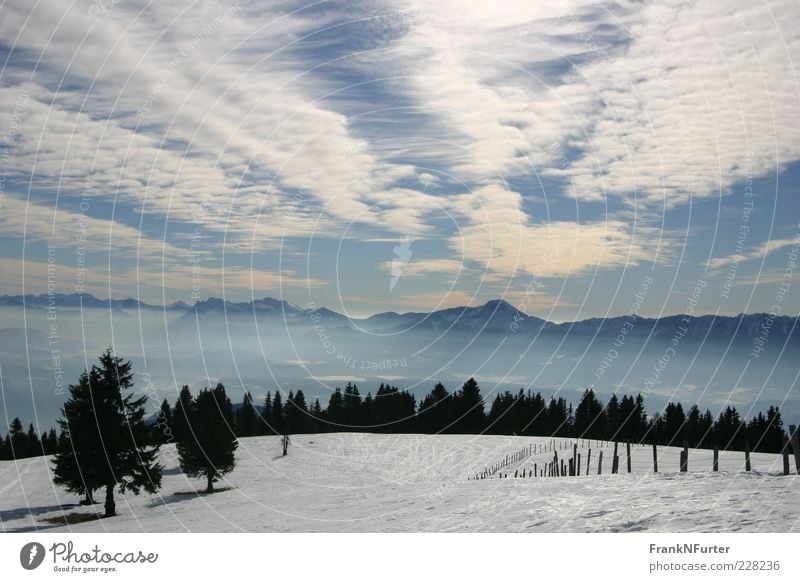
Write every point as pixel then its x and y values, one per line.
pixel 399 557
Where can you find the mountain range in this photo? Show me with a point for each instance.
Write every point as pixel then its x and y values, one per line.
pixel 495 316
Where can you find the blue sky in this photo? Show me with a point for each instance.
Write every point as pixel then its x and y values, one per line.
pixel 556 156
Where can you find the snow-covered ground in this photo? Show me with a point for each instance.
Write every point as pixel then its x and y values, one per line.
pixel 411 483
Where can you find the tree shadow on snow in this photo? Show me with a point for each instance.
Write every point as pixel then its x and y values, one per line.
pixel 180 496
pixel 30 512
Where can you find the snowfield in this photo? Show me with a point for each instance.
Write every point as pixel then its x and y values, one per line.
pixel 352 482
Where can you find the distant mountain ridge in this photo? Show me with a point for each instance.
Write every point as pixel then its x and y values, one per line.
pixel 496 315
pixel 85 300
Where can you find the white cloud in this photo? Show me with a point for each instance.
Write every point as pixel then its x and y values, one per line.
pixel 759 252
pixel 218 114
pixel 500 236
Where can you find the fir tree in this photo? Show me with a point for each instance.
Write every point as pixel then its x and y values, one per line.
pixel 162 428
pixel 613 419
pixel 247 417
pixel 18 440
pixel 468 404
pixel 266 415
pixel 674 424
pixel 317 417
pixel 278 414
pixel 52 442
pixel 33 443
pixel 107 435
pixel 335 412
pixel 180 415
pixel 436 411
pixel 208 450
pixel 296 413
pixel 589 417
pixel 351 407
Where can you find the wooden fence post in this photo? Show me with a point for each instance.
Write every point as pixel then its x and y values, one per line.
pixel 615 461
pixel 578 466
pixel 535 466
pixel 655 459
pixel 795 446
pixel 600 464
pixel 785 452
pixel 588 460
pixel 716 458
pixel 575 457
pixel 747 456
pixel 685 457
pixel 628 445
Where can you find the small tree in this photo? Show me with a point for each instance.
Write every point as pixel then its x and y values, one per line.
pixel 34 444
pixel 161 431
pixel 296 412
pixel 278 417
pixel 180 414
pixel 208 449
pixel 18 439
pixel 247 418
pixel 107 439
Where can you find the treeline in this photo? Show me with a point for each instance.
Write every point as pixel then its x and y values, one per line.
pixel 21 444
pixel 392 410
pixel 106 443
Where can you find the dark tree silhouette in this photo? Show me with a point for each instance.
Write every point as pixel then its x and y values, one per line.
pixel 278 417
pixel 468 404
pixel 107 439
pixel 208 448
pixel 162 430
pixel 18 439
pixel 296 413
pixel 180 415
pixel 589 418
pixel 335 411
pixel 247 418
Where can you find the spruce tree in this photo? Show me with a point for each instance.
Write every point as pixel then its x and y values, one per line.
pixel 208 449
pixel 296 413
pixel 78 447
pixel 436 410
pixel 265 426
pixel 589 417
pixel 108 439
pixel 180 414
pixel 613 419
pixel 53 442
pixel 162 427
pixel 317 417
pixel 351 406
pixel 33 443
pixel 247 417
pixel 469 409
pixel 19 440
pixel 335 411
pixel 278 414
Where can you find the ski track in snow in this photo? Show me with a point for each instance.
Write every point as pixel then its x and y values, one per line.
pixel 352 482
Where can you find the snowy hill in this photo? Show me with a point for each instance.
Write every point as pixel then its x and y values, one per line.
pixel 351 482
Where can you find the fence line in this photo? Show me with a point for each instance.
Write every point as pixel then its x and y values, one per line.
pixel 571 467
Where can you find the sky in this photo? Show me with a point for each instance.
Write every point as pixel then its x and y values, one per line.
pixel 578 159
